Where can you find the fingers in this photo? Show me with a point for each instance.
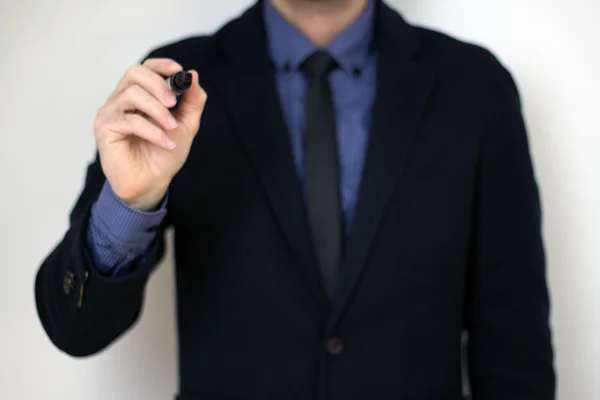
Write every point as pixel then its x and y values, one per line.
pixel 140 105
pixel 150 76
pixel 137 99
pixel 191 106
pixel 163 66
pixel 135 124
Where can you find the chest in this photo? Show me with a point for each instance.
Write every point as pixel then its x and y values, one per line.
pixel 353 96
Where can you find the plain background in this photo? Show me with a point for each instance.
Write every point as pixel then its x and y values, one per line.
pixel 58 61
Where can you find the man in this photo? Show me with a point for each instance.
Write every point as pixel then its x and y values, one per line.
pixel 358 195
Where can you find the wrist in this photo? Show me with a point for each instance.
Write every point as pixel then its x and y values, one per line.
pixel 147 202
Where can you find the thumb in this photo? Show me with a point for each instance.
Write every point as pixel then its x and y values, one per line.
pixel 191 106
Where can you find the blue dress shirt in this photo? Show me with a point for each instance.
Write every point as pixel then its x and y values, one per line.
pixel 118 236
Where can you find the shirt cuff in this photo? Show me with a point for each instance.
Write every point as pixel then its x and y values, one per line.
pixel 132 228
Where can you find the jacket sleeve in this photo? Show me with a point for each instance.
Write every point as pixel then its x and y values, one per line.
pixel 510 353
pixel 81 309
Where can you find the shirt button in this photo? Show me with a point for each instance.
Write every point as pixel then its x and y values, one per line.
pixel 334 346
pixel 153 229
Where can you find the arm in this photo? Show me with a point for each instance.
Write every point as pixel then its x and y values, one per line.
pixel 86 316
pixel 142 144
pixel 118 236
pixel 509 351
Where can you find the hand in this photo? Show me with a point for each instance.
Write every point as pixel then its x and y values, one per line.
pixel 141 144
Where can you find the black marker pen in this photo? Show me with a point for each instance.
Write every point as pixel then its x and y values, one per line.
pixel 179 82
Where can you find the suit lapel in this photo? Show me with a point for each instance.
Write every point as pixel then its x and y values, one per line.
pixel 402 93
pixel 248 88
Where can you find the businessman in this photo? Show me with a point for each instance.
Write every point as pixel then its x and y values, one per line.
pixel 350 195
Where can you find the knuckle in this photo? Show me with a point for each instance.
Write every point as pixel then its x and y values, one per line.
pixel 98 121
pixel 203 96
pixel 97 127
pixel 134 91
pixel 134 70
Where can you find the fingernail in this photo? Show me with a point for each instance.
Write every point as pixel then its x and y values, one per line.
pixel 170 99
pixel 172 123
pixel 170 144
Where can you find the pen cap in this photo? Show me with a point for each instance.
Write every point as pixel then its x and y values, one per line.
pixel 180 82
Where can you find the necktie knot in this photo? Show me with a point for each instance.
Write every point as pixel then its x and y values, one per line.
pixel 318 65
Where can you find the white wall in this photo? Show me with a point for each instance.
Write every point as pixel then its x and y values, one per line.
pixel 551 46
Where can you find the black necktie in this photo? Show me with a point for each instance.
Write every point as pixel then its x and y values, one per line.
pixel 322 167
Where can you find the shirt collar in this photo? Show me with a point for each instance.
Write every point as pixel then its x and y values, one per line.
pixel 288 47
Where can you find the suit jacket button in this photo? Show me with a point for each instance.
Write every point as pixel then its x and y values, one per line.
pixel 69 282
pixel 334 346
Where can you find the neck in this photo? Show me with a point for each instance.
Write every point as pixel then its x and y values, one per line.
pixel 320 20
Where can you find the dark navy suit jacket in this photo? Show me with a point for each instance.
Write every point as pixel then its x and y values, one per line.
pixel 446 239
